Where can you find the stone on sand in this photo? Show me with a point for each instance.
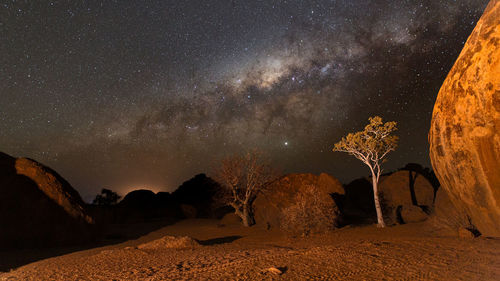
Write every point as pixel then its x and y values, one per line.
pixel 170 242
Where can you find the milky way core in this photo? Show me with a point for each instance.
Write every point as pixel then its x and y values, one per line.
pixel 119 94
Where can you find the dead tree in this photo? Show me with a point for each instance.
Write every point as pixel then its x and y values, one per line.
pixel 242 177
pixel 371 146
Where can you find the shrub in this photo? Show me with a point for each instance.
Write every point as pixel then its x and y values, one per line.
pixel 313 212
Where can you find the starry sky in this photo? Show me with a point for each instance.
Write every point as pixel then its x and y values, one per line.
pixel 146 94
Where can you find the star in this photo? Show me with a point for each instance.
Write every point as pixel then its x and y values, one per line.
pixel 169 89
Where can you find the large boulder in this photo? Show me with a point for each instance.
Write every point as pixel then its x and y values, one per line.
pixel 446 217
pixel 140 198
pixel 465 129
pixel 412 213
pixel 38 208
pixel 269 205
pixel 402 190
pixel 198 192
pixel 194 198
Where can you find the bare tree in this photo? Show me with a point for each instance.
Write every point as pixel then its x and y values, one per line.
pixel 242 177
pixel 371 146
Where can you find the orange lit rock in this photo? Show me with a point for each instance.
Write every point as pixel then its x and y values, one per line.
pixel 404 190
pixel 54 186
pixel 464 136
pixel 446 216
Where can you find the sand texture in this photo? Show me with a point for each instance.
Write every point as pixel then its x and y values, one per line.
pixel 202 250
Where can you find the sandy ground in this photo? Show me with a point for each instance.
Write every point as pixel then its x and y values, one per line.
pixel 407 252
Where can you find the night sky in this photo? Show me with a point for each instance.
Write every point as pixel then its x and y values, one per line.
pixel 146 94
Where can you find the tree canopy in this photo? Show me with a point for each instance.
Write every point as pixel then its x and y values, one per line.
pixel 106 198
pixel 373 143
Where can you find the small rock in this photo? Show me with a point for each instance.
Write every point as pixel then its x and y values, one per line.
pixel 412 213
pixel 170 242
pixel 274 270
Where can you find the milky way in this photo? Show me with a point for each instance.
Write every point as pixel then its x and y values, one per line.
pixel 129 94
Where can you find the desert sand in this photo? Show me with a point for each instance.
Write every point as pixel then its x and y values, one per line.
pixel 202 249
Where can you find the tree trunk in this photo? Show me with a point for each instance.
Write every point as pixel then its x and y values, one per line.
pixel 380 218
pixel 247 218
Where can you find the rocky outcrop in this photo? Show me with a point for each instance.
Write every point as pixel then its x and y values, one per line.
pixel 195 198
pixel 465 129
pixel 38 208
pixel 198 192
pixel 405 190
pixel 281 194
pixel 54 186
pixel 143 205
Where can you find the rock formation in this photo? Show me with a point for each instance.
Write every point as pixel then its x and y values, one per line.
pixel 38 207
pixel 141 198
pixel 269 205
pixel 447 219
pixel 412 213
pixel 193 199
pixel 143 205
pixel 403 190
pixel 198 192
pixel 465 129
pixel 54 186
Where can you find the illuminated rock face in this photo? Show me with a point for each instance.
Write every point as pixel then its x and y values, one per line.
pixel 465 129
pixel 400 194
pixel 38 208
pixel 54 186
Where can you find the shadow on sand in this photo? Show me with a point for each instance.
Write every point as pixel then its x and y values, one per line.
pixel 219 240
pixel 114 234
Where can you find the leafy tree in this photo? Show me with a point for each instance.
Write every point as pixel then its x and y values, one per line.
pixel 242 178
pixel 371 146
pixel 106 198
